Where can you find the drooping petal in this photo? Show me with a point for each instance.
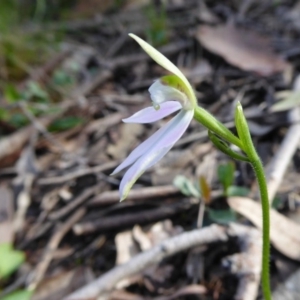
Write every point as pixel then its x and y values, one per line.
pixel 161 93
pixel 175 130
pixel 170 134
pixel 150 114
pixel 141 149
pixel 138 168
pixel 165 63
pixel 175 127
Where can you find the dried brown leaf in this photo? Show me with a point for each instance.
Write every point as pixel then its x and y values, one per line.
pixel 57 287
pixel 205 189
pixel 284 234
pixel 129 136
pixel 242 48
pixel 126 247
pixel 157 233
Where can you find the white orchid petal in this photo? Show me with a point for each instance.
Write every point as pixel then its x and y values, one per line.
pixel 170 134
pixel 175 127
pixel 150 114
pixel 138 168
pixel 141 149
pixel 178 128
pixel 160 93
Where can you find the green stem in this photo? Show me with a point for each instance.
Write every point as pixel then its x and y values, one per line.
pixel 211 123
pixel 245 137
pixel 244 142
pixel 265 274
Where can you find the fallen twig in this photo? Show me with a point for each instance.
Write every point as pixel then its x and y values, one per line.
pixel 79 173
pixel 79 200
pixel 27 170
pixel 52 246
pixel 16 141
pixel 135 58
pixel 246 264
pixel 111 197
pixel 103 285
pixel 40 127
pixel 126 220
pixel 41 74
pixel 6 213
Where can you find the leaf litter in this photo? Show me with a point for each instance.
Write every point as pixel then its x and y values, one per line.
pixel 242 48
pixel 73 230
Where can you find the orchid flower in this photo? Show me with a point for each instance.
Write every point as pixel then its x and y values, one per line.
pixel 169 94
pixel 174 93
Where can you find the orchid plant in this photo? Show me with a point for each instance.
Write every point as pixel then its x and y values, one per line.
pixel 173 93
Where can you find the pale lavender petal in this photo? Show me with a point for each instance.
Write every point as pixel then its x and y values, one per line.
pixel 160 93
pixel 140 150
pixel 170 135
pixel 173 129
pixel 138 168
pixel 150 114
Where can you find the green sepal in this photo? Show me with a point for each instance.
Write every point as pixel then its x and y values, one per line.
pixel 244 132
pixel 224 147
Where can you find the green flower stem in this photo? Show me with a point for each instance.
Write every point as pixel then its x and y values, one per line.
pixel 245 137
pixel 244 142
pixel 265 274
pixel 211 123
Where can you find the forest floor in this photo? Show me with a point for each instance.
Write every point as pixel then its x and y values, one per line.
pixel 191 226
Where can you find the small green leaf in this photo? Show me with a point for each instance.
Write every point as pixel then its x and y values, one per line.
pixel 186 186
pixel 276 203
pixel 19 295
pixel 65 123
pixel 18 120
pixel 62 78
pixel 226 175
pixel 11 94
pixel 223 216
pixel 10 260
pixel 234 190
pixel 36 91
